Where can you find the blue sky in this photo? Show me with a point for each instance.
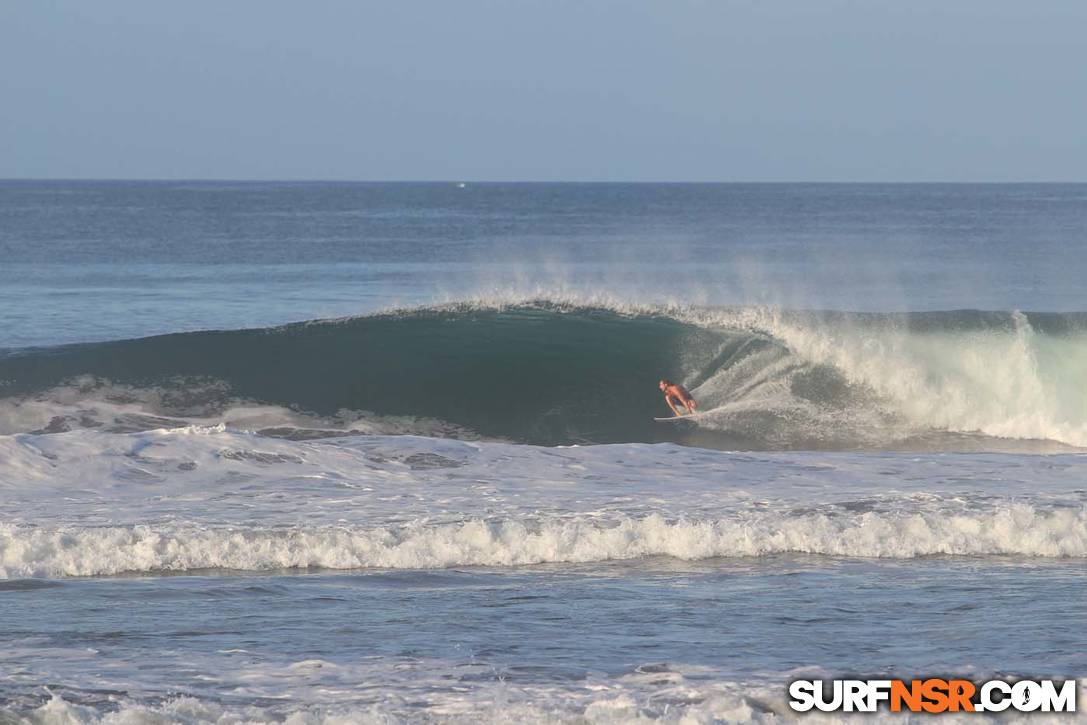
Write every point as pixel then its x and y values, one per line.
pixel 752 90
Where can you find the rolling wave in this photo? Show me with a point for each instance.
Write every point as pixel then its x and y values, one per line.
pixel 1009 529
pixel 552 373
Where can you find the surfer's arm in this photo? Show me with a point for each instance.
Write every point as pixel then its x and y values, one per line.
pixel 672 404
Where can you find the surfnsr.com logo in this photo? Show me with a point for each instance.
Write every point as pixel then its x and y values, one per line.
pixel 933 695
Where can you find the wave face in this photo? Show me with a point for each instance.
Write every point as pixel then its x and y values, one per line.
pixel 552 373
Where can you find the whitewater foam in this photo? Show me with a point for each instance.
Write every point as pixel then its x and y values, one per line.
pixel 71 551
pixel 88 402
pixel 666 694
pixel 93 503
pixel 1007 383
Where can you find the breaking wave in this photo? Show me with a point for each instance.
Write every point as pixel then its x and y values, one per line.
pixel 556 373
pixel 1007 529
pixel 667 693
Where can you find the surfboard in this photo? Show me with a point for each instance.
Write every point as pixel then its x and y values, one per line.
pixel 688 416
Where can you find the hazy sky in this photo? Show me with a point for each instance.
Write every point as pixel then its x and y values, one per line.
pixel 729 90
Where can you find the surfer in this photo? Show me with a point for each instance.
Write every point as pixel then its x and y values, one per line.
pixel 676 395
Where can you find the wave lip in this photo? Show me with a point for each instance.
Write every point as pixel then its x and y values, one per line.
pixel 1008 529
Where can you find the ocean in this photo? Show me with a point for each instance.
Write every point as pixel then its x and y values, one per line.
pixel 385 452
